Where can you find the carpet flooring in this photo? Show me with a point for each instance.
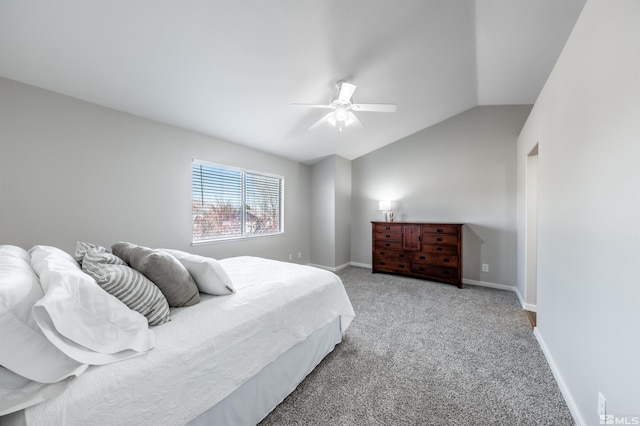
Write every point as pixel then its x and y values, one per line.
pixel 423 353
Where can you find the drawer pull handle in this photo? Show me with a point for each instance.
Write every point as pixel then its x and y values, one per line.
pixel 439 239
pixel 439 249
pixel 401 266
pixel 445 260
pixel 387 236
pixel 387 228
pixel 387 245
pixel 421 269
pixel 422 257
pixel 382 263
pixel 439 230
pixel 402 255
pixel 445 272
pixel 381 253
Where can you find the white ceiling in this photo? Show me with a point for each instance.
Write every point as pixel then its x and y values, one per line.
pixel 231 68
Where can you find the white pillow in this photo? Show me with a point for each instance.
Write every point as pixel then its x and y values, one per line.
pixel 17 393
pixel 25 350
pixel 80 318
pixel 15 251
pixel 208 273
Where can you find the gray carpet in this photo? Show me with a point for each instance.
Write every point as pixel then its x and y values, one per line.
pixel 422 353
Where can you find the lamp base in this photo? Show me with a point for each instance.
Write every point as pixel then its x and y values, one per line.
pixel 389 216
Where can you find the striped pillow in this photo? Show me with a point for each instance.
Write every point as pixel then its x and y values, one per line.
pixel 81 249
pixel 130 286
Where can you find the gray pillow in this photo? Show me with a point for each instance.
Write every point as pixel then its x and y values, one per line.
pixel 136 254
pixel 166 272
pixel 127 284
pixel 123 250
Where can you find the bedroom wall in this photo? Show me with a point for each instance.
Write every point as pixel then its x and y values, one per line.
pixel 71 170
pixel 343 212
pixel 460 170
pixel 331 212
pixel 323 213
pixel 586 125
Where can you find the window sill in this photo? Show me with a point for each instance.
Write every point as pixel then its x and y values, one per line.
pixel 235 238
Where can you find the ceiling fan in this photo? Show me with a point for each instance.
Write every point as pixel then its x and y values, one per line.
pixel 342 108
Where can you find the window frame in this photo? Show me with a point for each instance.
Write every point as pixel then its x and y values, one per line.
pixel 244 235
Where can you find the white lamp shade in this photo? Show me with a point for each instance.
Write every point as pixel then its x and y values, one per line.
pixel 385 206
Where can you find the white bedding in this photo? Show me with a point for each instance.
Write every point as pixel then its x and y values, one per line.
pixel 207 350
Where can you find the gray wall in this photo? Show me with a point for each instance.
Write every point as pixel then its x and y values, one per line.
pixel 323 212
pixel 71 170
pixel 331 212
pixel 343 211
pixel 586 124
pixel 460 170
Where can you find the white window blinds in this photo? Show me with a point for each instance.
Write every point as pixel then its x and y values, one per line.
pixel 234 203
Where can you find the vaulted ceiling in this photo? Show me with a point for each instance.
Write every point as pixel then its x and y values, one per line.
pixel 231 68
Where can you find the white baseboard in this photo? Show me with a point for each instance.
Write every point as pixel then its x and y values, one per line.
pixel 520 298
pixel 573 408
pixel 341 267
pixel 489 284
pixel 525 306
pixel 360 265
pixel 330 268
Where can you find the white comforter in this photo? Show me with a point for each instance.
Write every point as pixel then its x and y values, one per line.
pixel 207 350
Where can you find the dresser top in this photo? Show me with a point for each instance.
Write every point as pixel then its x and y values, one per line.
pixel 416 223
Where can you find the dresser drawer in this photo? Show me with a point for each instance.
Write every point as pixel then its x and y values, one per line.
pixel 391 254
pixel 433 248
pixel 393 245
pixel 387 236
pixel 391 265
pixel 396 229
pixel 436 259
pixel 440 229
pixel 440 239
pixel 436 272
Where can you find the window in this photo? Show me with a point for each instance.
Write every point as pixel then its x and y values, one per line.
pixel 234 203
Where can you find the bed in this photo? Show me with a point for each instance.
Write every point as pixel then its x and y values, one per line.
pixel 228 360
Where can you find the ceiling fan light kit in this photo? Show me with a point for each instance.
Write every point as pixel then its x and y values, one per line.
pixel 342 108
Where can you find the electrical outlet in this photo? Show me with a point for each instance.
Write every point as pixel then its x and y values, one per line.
pixel 299 255
pixel 602 405
pixel 290 256
pixel 485 267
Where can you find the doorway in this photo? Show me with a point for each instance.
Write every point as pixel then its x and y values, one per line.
pixel 531 235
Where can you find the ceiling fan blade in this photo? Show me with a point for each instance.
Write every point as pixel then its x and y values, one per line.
pixel 313 106
pixel 346 91
pixel 326 118
pixel 374 107
pixel 352 120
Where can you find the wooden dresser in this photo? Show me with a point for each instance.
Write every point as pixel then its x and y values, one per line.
pixel 426 250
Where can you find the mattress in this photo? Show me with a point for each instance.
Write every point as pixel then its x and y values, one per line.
pixel 207 351
pixel 258 396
